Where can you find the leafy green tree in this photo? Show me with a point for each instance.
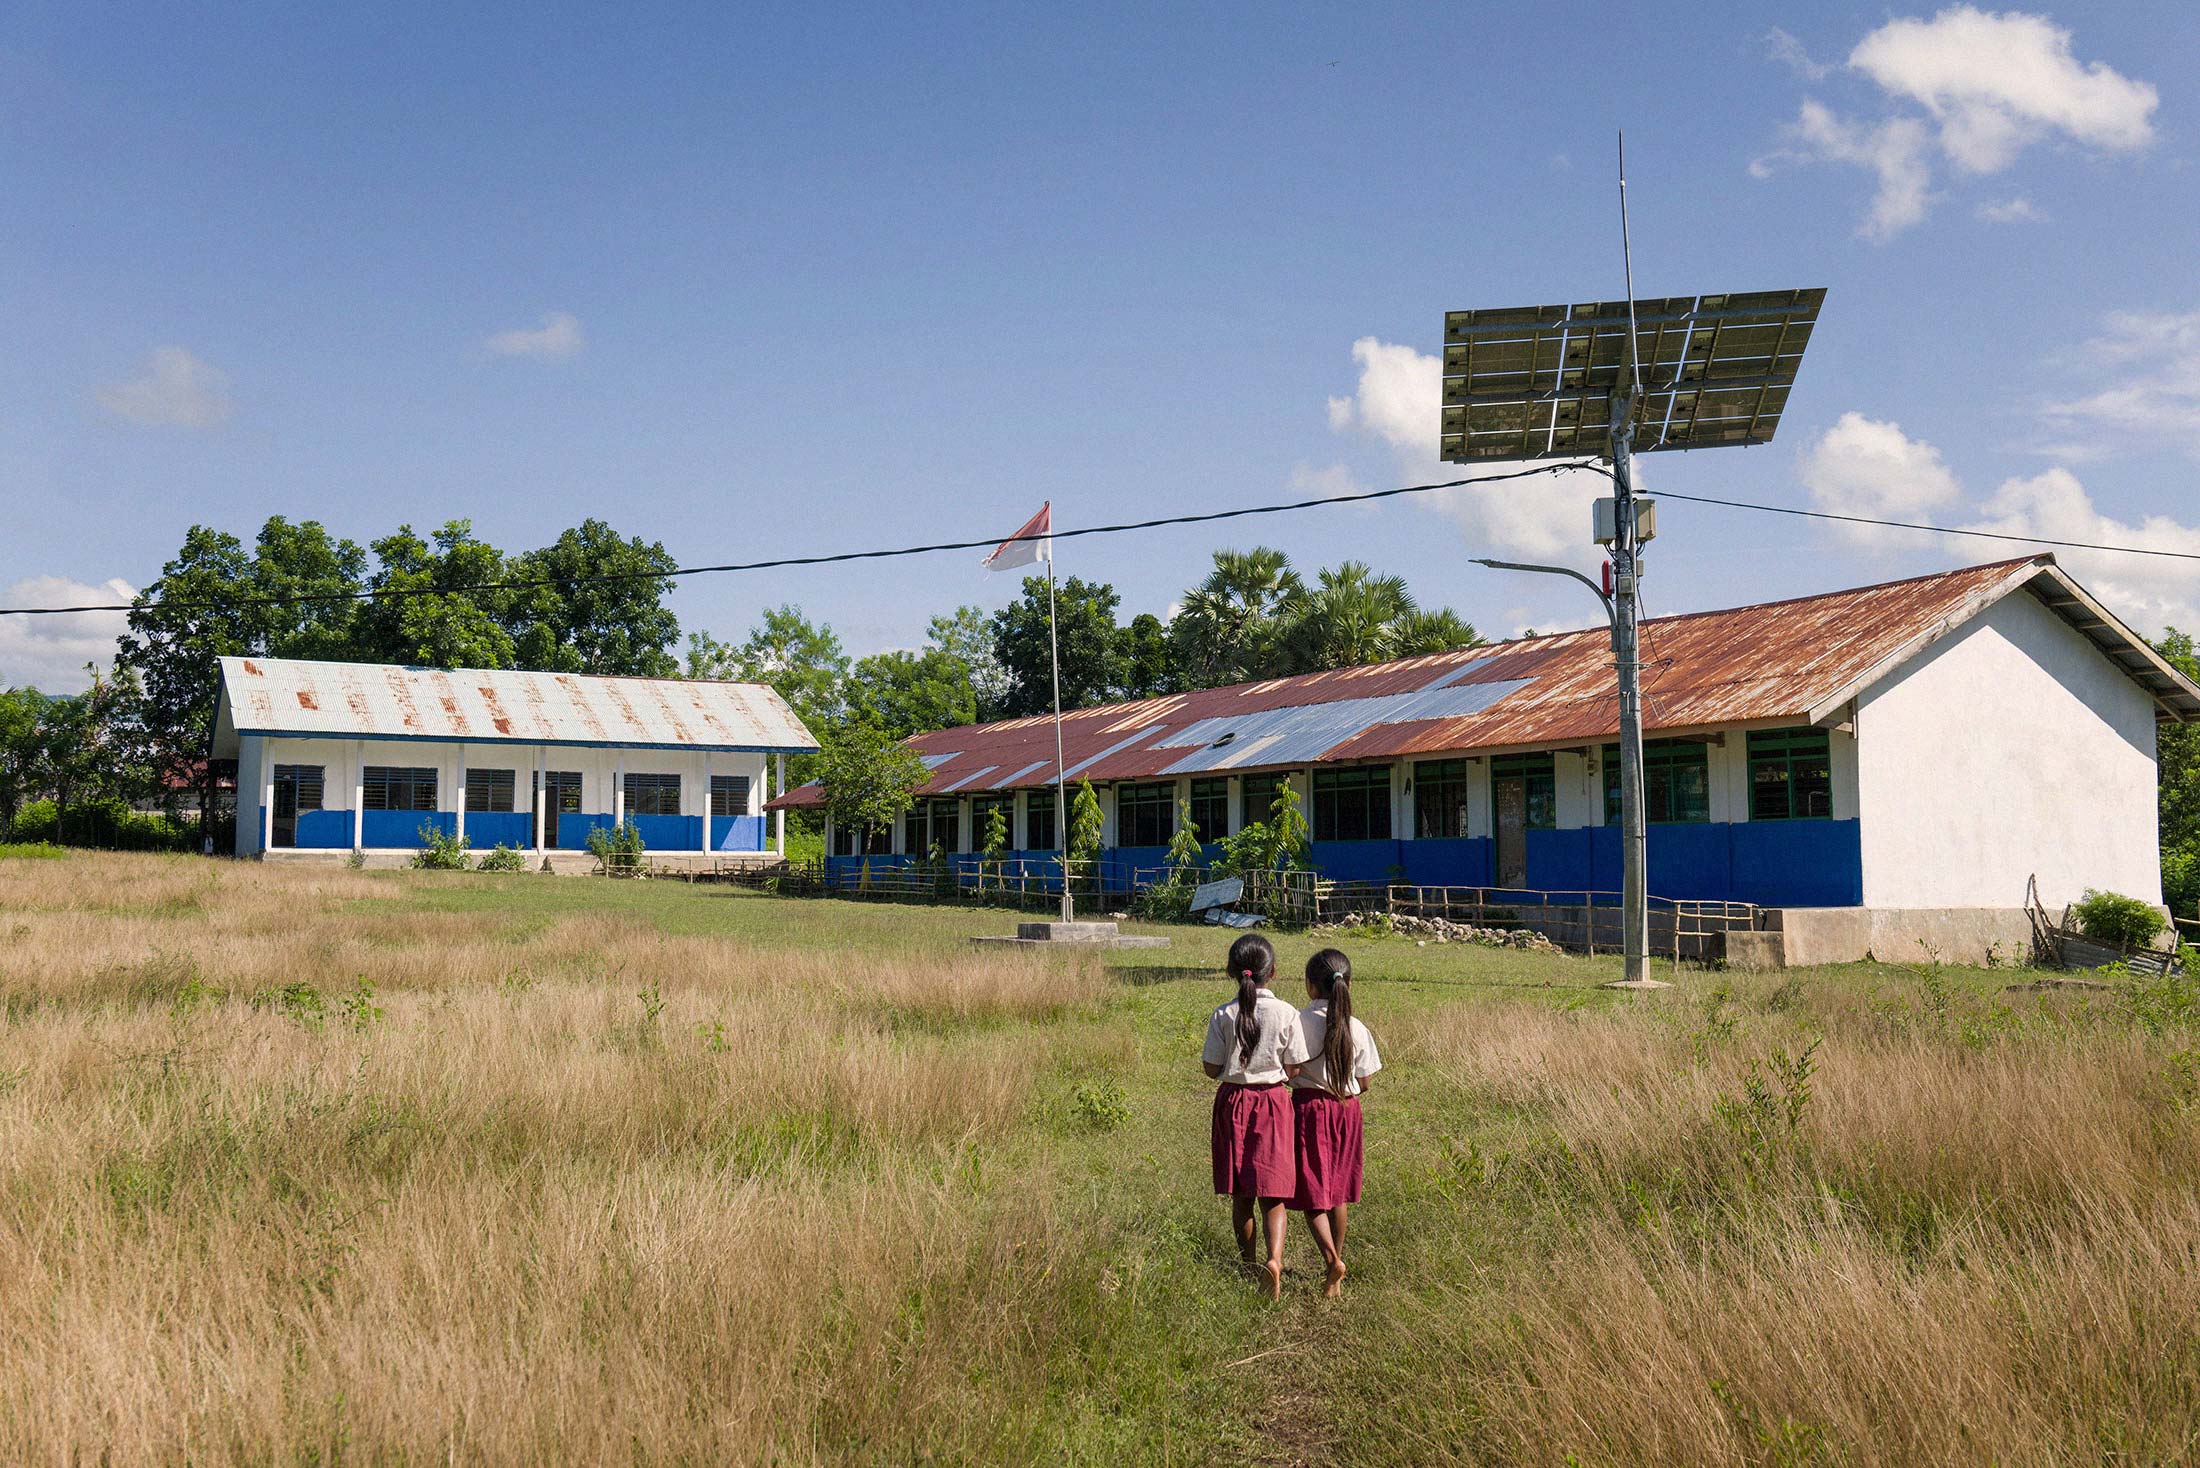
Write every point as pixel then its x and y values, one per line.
pixel 1091 646
pixel 967 634
pixel 1226 628
pixel 617 627
pixel 22 749
pixel 309 582
pixel 868 778
pixel 2177 762
pixel 1422 633
pixel 1185 854
pixel 1348 617
pixel 1085 823
pixel 424 617
pixel 1280 843
pixel 912 693
pixel 802 659
pixel 1150 666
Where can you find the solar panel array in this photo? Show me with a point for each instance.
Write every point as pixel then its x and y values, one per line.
pixel 1536 382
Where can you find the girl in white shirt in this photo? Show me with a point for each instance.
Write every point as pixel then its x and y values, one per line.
pixel 1252 1044
pixel 1325 1105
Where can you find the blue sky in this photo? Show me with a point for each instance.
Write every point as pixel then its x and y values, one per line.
pixel 755 281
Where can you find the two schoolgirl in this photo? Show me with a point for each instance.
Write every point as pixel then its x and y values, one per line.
pixel 1286 1132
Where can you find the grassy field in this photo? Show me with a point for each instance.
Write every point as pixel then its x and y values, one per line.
pixel 322 1166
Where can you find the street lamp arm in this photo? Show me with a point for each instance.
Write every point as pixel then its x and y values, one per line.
pixel 1552 571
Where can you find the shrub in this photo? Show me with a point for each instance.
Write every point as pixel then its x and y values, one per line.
pixel 36 821
pixel 502 858
pixel 441 851
pixel 617 849
pixel 2111 917
pixel 2181 879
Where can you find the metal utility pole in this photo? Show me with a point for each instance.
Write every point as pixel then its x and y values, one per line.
pixel 1634 896
pixel 1061 782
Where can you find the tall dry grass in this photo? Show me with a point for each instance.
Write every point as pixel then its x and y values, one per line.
pixel 1941 1239
pixel 677 1198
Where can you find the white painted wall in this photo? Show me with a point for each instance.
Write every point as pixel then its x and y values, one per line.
pixel 2010 747
pixel 1580 794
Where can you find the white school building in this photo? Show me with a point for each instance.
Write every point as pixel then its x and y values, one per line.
pixel 342 757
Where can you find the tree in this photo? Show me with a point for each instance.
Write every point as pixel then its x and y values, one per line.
pixel 617 627
pixel 801 659
pixel 1150 667
pixel 423 617
pixel 912 693
pixel 2177 762
pixel 967 634
pixel 22 749
pixel 868 778
pixel 1349 617
pixel 1420 634
pixel 1226 627
pixel 1091 646
pixel 309 582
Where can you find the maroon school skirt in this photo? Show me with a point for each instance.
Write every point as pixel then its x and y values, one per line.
pixel 1328 1149
pixel 1251 1140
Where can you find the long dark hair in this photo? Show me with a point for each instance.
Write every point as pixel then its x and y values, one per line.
pixel 1329 975
pixel 1252 964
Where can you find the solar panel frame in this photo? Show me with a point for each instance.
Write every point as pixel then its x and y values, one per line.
pixel 1536 382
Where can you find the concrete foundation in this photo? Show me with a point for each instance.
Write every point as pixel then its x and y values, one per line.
pixel 1073 935
pixel 563 863
pixel 1799 937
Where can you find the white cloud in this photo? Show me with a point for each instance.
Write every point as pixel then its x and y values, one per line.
pixel 2154 394
pixel 1989 86
pixel 558 338
pixel 1996 83
pixel 2011 211
pixel 49 653
pixel 1784 48
pixel 1399 402
pixel 2148 592
pixel 1866 466
pixel 176 390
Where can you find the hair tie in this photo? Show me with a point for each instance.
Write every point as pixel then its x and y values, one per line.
pixel 1246 972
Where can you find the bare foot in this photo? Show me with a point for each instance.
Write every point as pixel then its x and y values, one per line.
pixel 1333 1286
pixel 1271 1278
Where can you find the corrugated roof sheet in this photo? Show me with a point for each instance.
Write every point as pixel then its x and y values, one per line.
pixel 1785 660
pixel 380 700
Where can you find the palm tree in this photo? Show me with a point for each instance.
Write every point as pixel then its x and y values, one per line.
pixel 1349 617
pixel 1226 626
pixel 1420 633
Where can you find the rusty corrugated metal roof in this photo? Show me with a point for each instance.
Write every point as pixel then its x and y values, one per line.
pixel 385 701
pixel 1774 662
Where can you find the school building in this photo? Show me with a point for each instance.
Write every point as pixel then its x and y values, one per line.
pixel 341 757
pixel 1893 758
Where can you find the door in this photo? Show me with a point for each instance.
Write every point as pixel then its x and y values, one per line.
pixel 297 788
pixel 1511 799
pixel 561 795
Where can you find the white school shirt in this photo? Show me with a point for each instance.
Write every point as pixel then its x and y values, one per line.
pixel 1314 1074
pixel 1276 1042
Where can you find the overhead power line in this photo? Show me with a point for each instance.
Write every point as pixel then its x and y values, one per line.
pixel 988 542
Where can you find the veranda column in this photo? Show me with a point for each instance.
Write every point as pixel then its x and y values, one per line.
pixel 618 790
pixel 705 845
pixel 461 806
pixel 267 803
pixel 540 759
pixel 359 795
pixel 779 816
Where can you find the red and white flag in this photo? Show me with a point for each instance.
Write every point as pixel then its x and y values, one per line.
pixel 1035 542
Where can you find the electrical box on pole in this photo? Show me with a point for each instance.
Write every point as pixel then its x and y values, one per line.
pixel 1606 380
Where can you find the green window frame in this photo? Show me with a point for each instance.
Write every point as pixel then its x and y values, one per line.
pixel 1790 775
pixel 1256 793
pixel 1211 808
pixel 983 806
pixel 914 838
pixel 1541 773
pixel 1145 815
pixel 947 826
pixel 652 794
pixel 1676 782
pixel 1352 803
pixel 1039 821
pixel 1439 798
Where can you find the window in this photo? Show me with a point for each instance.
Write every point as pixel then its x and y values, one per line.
pixel 947 826
pixel 1145 815
pixel 982 807
pixel 489 790
pixel 305 782
pixel 1542 780
pixel 914 840
pixel 388 787
pixel 729 795
pixel 1211 808
pixel 1676 782
pixel 652 795
pixel 1352 804
pixel 1790 775
pixel 1440 798
pixel 1255 794
pixel 1039 822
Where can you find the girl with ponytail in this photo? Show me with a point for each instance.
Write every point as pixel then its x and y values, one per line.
pixel 1325 1106
pixel 1253 1043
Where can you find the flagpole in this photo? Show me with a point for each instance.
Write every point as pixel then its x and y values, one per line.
pixel 1061 781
